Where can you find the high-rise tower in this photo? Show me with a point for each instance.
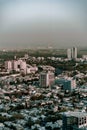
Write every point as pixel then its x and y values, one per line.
pixel 69 54
pixel 46 79
pixel 74 53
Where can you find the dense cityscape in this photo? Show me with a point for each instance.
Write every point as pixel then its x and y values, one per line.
pixel 43 64
pixel 43 92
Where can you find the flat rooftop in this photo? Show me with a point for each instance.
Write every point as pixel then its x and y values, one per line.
pixel 75 114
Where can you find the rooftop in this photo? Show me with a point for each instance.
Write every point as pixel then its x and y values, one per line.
pixel 75 114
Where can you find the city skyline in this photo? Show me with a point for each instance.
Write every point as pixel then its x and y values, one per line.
pixel 46 23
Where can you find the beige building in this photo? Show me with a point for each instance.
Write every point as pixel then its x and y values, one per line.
pixel 46 79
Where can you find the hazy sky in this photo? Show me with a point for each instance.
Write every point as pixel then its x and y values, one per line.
pixel 38 23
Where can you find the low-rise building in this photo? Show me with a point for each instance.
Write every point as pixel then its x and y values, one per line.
pixel 67 84
pixel 74 121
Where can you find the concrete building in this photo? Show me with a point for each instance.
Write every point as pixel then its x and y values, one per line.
pixel 46 79
pixel 74 53
pixel 69 54
pixel 84 57
pixel 15 65
pixel 8 65
pixel 47 68
pixel 74 121
pixel 67 84
pixel 31 69
pixel 23 66
pixel 20 66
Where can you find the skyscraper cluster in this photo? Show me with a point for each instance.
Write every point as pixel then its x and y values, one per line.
pixel 72 53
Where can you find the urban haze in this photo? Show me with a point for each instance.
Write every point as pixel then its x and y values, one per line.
pixel 43 23
pixel 43 65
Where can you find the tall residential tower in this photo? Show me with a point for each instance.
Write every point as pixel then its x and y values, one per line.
pixel 72 53
pixel 46 79
pixel 69 54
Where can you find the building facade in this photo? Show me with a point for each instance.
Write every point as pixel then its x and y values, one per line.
pixel 67 84
pixel 74 53
pixel 69 54
pixel 74 121
pixel 46 79
pixel 23 67
pixel 8 66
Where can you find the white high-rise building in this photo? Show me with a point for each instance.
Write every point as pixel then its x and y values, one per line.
pixel 15 65
pixel 23 66
pixel 8 65
pixel 46 79
pixel 69 54
pixel 74 53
